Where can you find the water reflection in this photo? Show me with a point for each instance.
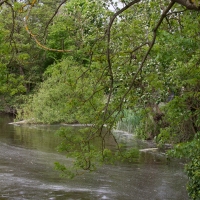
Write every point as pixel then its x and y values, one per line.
pixel 27 154
pixel 37 137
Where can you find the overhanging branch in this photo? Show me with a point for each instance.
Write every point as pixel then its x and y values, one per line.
pixel 51 19
pixel 190 5
pixel 108 33
pixel 164 13
pixel 34 36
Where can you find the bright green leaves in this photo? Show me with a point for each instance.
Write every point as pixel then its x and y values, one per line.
pixel 61 36
pixel 22 60
pixel 186 149
pixel 85 149
pixel 67 96
pixel 80 147
pixel 12 85
pixel 182 115
pixel 97 79
pixel 17 6
pixel 191 151
pixel 193 173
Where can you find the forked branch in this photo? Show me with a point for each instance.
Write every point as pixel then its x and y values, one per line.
pixel 163 15
pixel 34 36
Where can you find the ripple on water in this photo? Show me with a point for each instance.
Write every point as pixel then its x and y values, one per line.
pixel 27 173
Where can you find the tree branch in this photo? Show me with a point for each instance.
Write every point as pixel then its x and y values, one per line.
pixel 13 20
pixel 51 19
pixel 188 4
pixel 165 11
pixel 2 2
pixel 150 48
pixel 108 33
pixel 35 38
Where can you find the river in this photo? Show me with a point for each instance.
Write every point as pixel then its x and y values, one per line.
pixel 28 153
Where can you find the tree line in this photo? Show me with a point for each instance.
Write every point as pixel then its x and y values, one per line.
pixel 92 62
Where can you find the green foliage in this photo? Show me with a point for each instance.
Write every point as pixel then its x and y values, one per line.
pixel 193 173
pixel 130 120
pixel 67 95
pixel 147 128
pixel 178 71
pixel 86 150
pixel 23 62
pixel 191 151
pixel 77 27
pixel 182 113
pixel 67 172
pixel 103 77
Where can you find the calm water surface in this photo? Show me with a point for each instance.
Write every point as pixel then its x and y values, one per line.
pixel 28 153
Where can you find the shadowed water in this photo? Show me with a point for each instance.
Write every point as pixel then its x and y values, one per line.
pixel 27 154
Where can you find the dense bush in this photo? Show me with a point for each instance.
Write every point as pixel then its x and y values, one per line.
pixel 67 95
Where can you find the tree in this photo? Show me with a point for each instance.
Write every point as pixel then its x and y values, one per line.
pixel 23 63
pixel 128 53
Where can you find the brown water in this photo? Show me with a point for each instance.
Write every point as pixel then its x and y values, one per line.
pixel 27 154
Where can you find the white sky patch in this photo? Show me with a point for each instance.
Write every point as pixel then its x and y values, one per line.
pixel 116 5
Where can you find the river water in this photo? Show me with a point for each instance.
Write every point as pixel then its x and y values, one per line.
pixel 28 153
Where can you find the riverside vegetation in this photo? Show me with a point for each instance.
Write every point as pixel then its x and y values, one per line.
pixel 133 63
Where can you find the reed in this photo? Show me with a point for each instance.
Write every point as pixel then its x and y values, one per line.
pixel 129 122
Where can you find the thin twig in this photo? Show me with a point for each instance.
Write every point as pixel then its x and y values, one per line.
pixel 119 107
pixel 108 33
pixel 51 19
pixel 35 38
